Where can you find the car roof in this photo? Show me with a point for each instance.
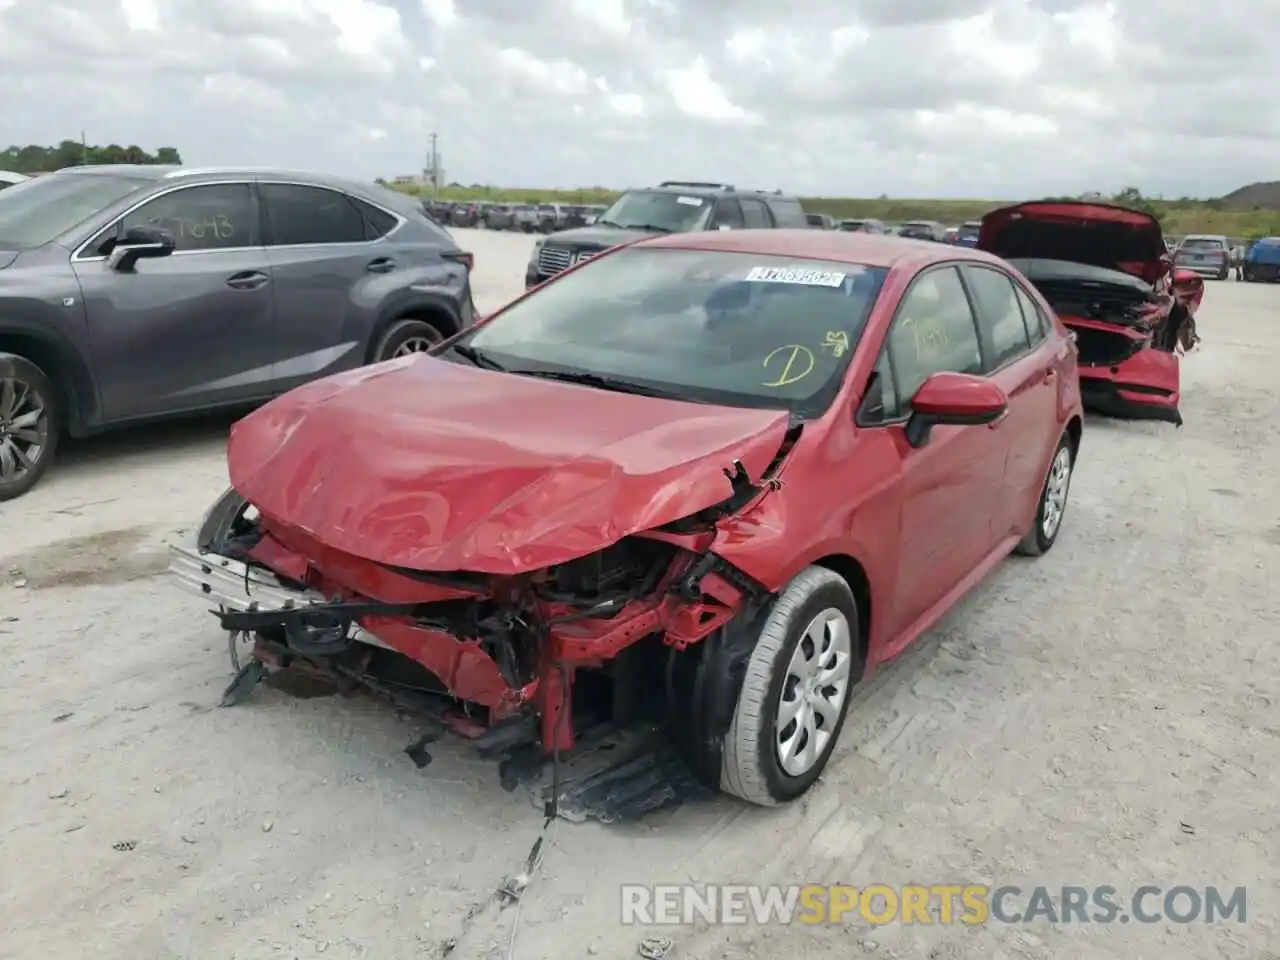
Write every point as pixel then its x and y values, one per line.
pixel 865 249
pixel 692 189
pixel 1205 236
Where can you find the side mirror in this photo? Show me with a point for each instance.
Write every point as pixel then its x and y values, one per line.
pixel 139 243
pixel 954 399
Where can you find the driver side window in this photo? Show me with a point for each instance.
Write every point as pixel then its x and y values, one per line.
pixel 934 331
pixel 216 216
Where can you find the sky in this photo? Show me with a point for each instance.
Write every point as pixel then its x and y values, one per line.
pixel 997 99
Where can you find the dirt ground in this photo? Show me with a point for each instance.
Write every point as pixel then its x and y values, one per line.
pixel 1105 715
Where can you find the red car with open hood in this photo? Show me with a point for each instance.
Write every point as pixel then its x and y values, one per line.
pixel 1107 273
pixel 704 482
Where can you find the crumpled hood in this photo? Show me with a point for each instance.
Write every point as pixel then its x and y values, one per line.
pixel 1099 234
pixel 430 465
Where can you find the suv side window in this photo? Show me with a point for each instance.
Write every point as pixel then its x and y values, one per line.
pixel 787 212
pixel 755 215
pixel 934 331
pixel 1037 322
pixel 728 214
pixel 1000 322
pixel 310 215
pixel 215 216
pixel 378 223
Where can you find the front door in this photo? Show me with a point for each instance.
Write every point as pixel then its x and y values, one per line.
pixel 951 486
pixel 187 331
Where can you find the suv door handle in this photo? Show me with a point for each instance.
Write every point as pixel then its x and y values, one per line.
pixel 381 265
pixel 248 280
pixel 1050 375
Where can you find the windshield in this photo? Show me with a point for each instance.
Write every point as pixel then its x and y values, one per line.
pixel 1202 243
pixel 729 328
pixel 968 230
pixel 644 209
pixel 40 209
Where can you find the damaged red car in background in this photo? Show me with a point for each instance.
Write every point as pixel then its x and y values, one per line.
pixel 1107 273
pixel 699 485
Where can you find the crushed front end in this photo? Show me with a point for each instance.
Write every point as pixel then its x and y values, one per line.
pixel 511 662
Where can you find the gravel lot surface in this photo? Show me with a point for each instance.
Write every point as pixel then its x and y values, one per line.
pixel 1106 715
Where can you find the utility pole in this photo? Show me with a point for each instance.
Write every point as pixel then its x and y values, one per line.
pixel 434 160
pixel 84 150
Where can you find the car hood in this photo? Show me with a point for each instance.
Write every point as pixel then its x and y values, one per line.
pixel 597 236
pixel 1097 234
pixel 426 464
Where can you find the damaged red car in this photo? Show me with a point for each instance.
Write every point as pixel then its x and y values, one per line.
pixel 700 485
pixel 1107 273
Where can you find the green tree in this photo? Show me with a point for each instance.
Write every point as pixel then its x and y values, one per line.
pixel 33 158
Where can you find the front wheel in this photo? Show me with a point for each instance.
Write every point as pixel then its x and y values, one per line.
pixel 29 426
pixel 1052 505
pixel 796 691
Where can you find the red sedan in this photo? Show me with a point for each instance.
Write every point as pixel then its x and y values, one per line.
pixel 709 480
pixel 1107 273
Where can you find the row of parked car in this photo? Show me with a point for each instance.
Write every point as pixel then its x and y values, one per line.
pixel 518 217
pixel 965 235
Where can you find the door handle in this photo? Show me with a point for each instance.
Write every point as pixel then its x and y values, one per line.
pixel 1050 375
pixel 248 280
pixel 381 265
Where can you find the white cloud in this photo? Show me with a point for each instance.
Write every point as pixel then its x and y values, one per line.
pixel 993 98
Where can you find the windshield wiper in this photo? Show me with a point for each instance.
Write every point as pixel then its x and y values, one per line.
pixel 649 226
pixel 602 383
pixel 476 357
pixel 609 223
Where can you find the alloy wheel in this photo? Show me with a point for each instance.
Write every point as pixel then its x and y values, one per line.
pixel 412 345
pixel 813 692
pixel 1055 493
pixel 24 429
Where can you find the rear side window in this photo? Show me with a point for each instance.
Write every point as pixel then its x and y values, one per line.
pixel 301 215
pixel 999 315
pixel 787 213
pixel 1037 323
pixel 755 215
pixel 377 222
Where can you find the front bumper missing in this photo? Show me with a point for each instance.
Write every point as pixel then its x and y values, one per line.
pixel 230 585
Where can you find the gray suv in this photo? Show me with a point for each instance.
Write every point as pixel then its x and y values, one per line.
pixel 675 206
pixel 132 293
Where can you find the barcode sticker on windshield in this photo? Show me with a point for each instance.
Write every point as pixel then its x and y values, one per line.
pixel 806 278
pixel 689 201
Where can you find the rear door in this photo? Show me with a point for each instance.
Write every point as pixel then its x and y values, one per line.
pixel 755 214
pixel 327 261
pixel 1018 358
pixel 187 331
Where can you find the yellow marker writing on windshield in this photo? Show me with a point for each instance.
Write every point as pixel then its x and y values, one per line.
pixel 799 363
pixel 837 342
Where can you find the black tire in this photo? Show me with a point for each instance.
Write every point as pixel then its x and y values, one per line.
pixel 1037 541
pixel 29 429
pixel 752 768
pixel 222 521
pixel 405 337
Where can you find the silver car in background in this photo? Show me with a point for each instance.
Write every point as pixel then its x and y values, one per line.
pixel 1206 254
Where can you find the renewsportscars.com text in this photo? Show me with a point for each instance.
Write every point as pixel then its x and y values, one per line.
pixel 968 904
